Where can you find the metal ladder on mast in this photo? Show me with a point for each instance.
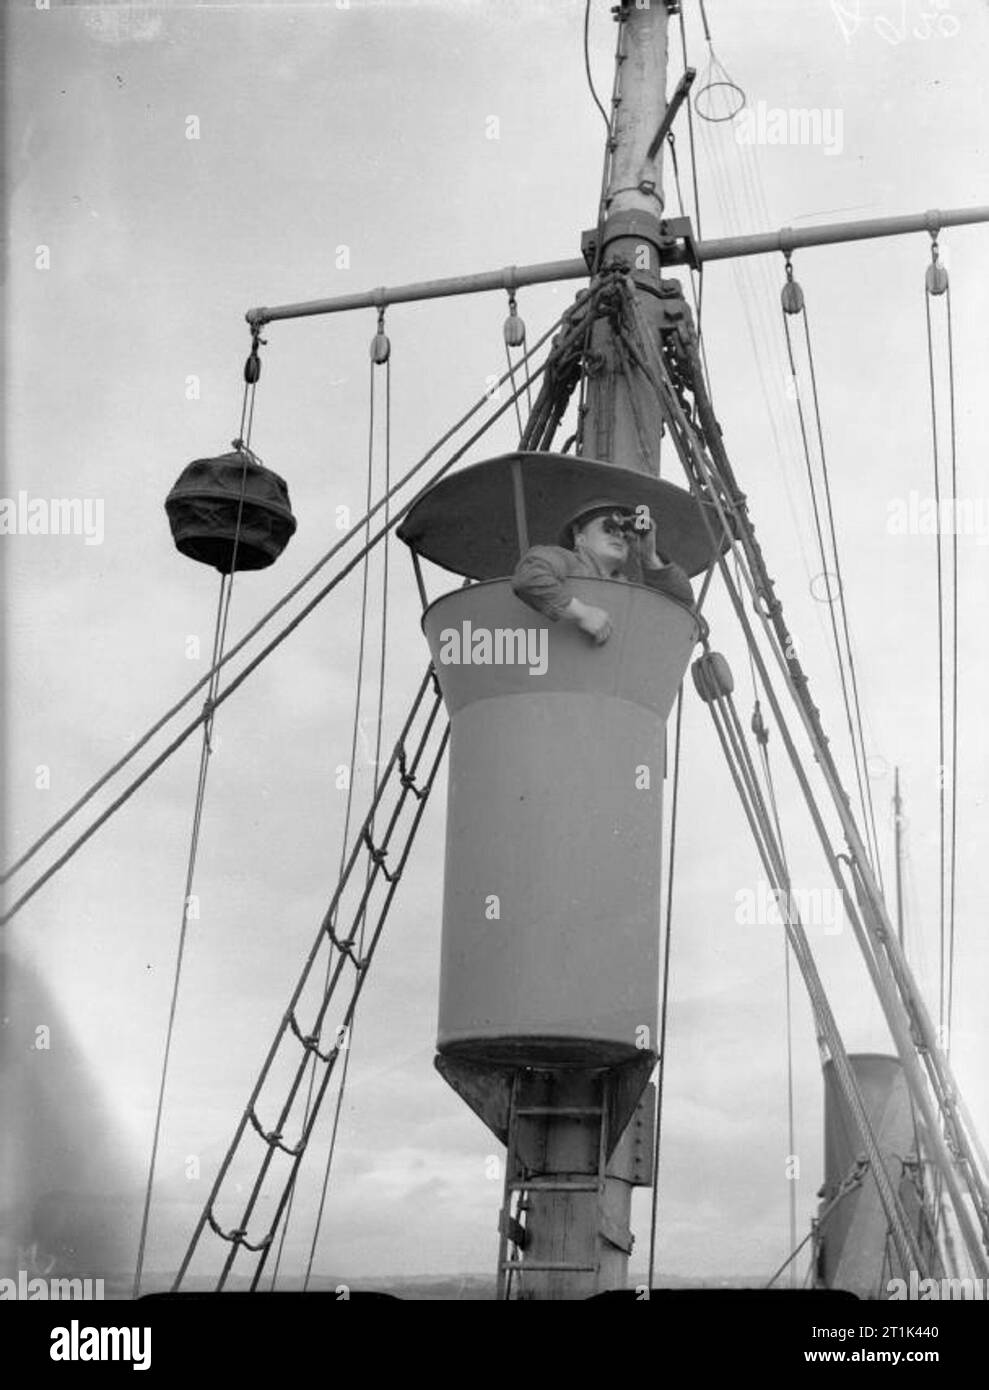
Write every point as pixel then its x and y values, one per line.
pixel 528 1115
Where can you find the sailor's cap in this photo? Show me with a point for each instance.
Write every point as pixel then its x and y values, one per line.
pixel 597 506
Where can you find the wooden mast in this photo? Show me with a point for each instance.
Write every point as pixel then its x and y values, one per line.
pixel 568 1229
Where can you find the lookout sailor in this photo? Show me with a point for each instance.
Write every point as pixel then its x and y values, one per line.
pixel 603 540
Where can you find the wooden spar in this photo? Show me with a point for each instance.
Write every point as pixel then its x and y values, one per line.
pixel 546 272
pixel 787 239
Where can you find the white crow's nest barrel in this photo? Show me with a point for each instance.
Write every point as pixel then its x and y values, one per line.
pixel 551 909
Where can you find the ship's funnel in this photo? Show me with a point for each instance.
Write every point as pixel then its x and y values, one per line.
pixel 854 1252
pixel 553 868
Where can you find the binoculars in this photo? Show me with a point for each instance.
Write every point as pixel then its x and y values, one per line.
pixel 629 524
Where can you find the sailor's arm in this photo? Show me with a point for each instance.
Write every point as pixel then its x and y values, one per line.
pixel 541 580
pixel 668 579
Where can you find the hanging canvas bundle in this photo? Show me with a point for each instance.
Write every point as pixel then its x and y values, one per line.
pixel 211 494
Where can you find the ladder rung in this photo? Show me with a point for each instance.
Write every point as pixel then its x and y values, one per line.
pixel 547 1265
pixel 553 1185
pixel 565 1110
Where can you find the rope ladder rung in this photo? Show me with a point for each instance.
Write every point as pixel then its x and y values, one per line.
pixel 310 1041
pixel 406 778
pixel 238 1236
pixel 345 945
pixel 274 1138
pixel 378 857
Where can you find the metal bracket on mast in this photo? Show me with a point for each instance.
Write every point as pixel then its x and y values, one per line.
pixel 675 243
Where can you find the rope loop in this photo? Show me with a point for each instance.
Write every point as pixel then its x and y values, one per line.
pixel 718 79
pixel 825 587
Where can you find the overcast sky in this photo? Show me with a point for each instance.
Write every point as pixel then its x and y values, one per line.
pixel 366 126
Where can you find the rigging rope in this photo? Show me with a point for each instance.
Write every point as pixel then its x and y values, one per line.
pixel 729 731
pixel 664 1006
pixel 793 302
pixel 697 197
pixel 936 283
pixel 871 815
pixel 904 1011
pixel 374 793
pixel 889 971
pixel 173 1003
pixel 380 349
pixel 954 683
pixel 940 667
pixel 251 373
pixel 753 302
pixel 848 1184
pixel 564 364
pixel 513 333
pixel 262 655
pixel 587 66
pixel 696 290
pixel 400 776
pixel 580 379
pixel 752 298
pixel 761 733
pixel 716 76
pixel 511 372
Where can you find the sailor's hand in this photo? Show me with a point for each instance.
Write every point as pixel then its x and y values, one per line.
pixel 595 622
pixel 645 537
